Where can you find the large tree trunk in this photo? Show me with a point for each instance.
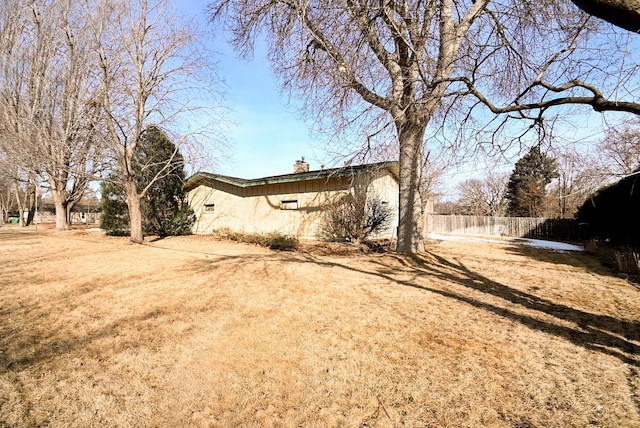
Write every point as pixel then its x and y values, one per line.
pixel 135 215
pixel 61 215
pixel 31 204
pixel 411 138
pixel 20 205
pixel 60 206
pixel 69 207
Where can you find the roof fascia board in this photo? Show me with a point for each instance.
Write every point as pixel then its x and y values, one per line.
pixel 194 180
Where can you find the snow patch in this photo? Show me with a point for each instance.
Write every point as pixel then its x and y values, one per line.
pixel 538 243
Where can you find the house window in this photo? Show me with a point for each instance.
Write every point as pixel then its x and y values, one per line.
pixel 209 208
pixel 291 204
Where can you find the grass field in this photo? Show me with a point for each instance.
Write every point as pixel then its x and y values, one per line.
pixel 190 331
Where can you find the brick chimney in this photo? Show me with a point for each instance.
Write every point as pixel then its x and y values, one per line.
pixel 300 166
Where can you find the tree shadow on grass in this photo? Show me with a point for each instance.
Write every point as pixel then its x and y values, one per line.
pixel 587 260
pixel 26 346
pixel 591 331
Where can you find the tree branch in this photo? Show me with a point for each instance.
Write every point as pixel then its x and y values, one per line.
pixel 598 102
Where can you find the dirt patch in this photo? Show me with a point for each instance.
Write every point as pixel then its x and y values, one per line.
pixel 191 331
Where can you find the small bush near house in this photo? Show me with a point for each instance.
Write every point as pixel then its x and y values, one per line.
pixel 273 240
pixel 355 218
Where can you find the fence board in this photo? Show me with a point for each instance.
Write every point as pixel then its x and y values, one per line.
pixel 518 227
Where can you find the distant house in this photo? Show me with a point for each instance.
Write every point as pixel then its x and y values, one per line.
pixel 291 204
pixel 82 213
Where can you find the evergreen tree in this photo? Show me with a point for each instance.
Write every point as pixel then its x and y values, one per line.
pixel 526 189
pixel 114 216
pixel 165 210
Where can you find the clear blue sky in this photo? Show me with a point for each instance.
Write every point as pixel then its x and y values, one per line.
pixel 266 135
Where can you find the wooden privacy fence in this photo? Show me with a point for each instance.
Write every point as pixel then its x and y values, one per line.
pixel 561 229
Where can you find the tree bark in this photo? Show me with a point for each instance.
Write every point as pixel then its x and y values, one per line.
pixel 20 205
pixel 411 136
pixel 61 217
pixel 135 214
pixel 59 201
pixel 623 13
pixel 30 201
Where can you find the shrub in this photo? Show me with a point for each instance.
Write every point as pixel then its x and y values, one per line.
pixel 272 240
pixel 354 218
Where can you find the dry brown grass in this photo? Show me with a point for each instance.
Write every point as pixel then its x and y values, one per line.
pixel 187 331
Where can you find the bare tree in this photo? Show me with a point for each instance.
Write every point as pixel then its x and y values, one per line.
pixel 432 178
pixel 496 185
pixel 148 62
pixel 355 217
pixel 395 65
pixel 619 152
pixel 484 197
pixel 18 185
pixel 579 176
pixel 7 199
pixel 47 101
pixel 473 197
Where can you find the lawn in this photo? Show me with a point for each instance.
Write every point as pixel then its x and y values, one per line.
pixel 192 331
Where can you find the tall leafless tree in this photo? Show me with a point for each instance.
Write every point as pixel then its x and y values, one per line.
pixel 473 197
pixel 148 59
pixel 47 100
pixel 620 150
pixel 578 178
pixel 484 197
pixel 395 65
pixel 7 198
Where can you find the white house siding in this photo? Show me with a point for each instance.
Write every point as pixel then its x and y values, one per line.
pixel 257 209
pixel 385 186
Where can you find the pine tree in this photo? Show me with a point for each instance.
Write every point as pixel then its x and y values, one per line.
pixel 165 210
pixel 526 189
pixel 114 216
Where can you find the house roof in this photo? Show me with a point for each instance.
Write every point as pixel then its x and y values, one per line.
pixel 348 171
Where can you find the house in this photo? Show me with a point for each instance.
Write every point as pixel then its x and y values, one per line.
pixel 82 213
pixel 291 204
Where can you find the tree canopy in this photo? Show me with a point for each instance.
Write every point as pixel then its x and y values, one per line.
pixel 48 99
pixel 165 210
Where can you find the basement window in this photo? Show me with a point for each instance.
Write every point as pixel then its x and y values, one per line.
pixel 290 204
pixel 209 208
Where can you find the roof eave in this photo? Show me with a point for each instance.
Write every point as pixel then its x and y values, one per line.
pixel 193 181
